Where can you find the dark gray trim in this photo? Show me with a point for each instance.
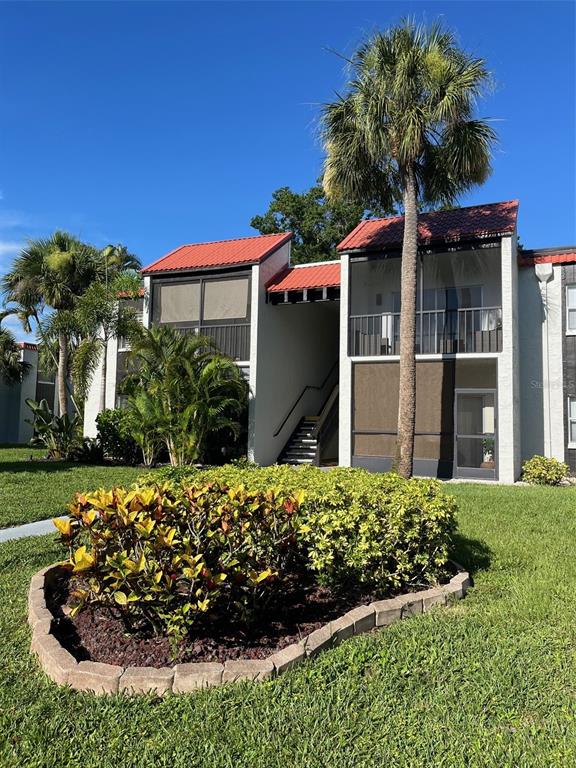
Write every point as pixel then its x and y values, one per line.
pixel 568 276
pixel 422 467
pixel 201 280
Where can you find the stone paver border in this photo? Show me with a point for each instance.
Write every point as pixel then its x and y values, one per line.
pixel 101 678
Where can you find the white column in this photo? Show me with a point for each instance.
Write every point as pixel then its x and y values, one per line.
pixel 550 283
pixel 254 315
pixel 345 405
pixel 508 368
pixel 147 304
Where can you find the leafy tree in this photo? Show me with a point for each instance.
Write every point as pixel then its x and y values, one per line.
pixel 50 274
pixel 78 286
pixel 317 223
pixel 12 368
pixel 405 133
pixel 180 391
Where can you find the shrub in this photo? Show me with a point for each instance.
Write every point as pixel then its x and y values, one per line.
pixel 170 556
pixel 540 470
pixel 115 435
pixel 60 435
pixel 186 543
pixel 376 529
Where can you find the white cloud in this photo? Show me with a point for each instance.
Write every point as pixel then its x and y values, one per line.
pixel 15 326
pixel 9 247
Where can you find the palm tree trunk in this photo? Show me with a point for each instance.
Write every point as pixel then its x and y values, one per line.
pixel 407 394
pixel 62 372
pixel 54 360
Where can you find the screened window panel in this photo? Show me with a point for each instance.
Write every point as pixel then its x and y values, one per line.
pixel 572 404
pixel 178 303
pixel 571 296
pixel 226 299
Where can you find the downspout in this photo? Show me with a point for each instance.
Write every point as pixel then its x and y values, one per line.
pixel 544 273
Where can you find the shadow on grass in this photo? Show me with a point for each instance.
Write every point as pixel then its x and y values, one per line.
pixel 37 465
pixel 47 465
pixel 474 555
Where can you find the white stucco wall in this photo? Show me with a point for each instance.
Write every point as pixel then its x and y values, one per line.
pixel 509 368
pixel 540 300
pixel 292 346
pixel 345 402
pixel 92 403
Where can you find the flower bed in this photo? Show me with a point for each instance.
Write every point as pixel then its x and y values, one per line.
pixel 63 668
pixel 241 563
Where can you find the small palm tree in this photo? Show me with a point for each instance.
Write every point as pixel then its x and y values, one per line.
pixel 181 389
pixel 405 133
pixel 12 368
pixel 98 316
pixel 49 274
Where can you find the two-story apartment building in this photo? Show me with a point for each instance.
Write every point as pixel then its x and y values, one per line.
pixel 319 343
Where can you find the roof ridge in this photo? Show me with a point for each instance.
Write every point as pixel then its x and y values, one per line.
pixel 315 263
pixel 234 239
pixel 446 210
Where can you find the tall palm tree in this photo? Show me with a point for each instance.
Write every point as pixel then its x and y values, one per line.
pixel 50 273
pixel 405 133
pixel 12 368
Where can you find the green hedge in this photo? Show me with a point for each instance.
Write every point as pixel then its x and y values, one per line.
pixel 185 543
pixel 378 529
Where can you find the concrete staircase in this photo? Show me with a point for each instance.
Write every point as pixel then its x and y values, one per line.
pixel 302 445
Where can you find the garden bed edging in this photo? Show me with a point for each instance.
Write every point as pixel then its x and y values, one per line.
pixel 100 678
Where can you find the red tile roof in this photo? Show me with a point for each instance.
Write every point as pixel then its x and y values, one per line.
pixel 325 275
pixel 529 259
pixel 457 224
pixel 223 253
pixel 28 345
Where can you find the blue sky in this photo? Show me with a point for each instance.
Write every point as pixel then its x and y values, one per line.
pixel 155 124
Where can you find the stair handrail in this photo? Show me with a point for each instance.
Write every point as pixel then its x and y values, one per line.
pixel 330 416
pixel 326 409
pixel 305 389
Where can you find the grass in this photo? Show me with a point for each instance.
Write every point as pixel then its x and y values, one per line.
pixel 32 489
pixel 486 683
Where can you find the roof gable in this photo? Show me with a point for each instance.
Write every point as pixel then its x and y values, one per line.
pixel 221 253
pixel 476 221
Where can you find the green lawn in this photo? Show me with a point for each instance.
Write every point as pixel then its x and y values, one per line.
pixel 35 489
pixel 486 683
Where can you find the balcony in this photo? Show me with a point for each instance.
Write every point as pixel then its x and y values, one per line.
pixel 232 339
pixel 467 331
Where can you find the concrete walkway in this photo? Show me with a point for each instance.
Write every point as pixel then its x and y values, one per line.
pixel 40 528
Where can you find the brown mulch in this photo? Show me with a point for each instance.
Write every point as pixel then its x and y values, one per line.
pixel 95 634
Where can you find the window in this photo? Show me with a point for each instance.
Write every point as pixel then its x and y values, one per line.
pixel 571 309
pixel 226 299
pixel 177 302
pixel 447 299
pixel 572 422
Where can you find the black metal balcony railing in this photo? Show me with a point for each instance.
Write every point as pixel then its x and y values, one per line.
pixel 477 329
pixel 232 340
